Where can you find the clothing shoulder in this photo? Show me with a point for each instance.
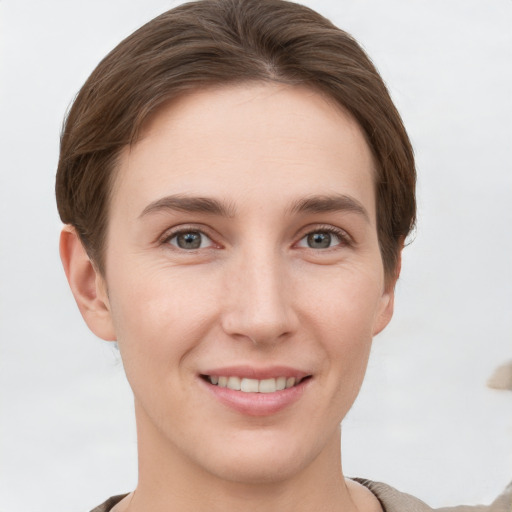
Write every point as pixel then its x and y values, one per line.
pixel 396 501
pixel 111 502
pixel 391 501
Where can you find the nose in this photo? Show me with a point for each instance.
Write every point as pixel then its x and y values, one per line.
pixel 259 299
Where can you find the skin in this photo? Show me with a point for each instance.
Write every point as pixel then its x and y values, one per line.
pixel 257 292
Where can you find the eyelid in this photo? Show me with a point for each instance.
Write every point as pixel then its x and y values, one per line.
pixel 172 232
pixel 168 234
pixel 343 235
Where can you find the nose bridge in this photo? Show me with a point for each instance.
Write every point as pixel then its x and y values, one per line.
pixel 259 304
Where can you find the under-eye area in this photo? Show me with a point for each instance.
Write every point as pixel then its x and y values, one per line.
pixel 249 385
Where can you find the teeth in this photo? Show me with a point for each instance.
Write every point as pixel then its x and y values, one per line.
pixel 234 383
pixel 253 385
pixel 249 385
pixel 267 386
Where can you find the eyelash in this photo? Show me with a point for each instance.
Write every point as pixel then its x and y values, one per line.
pixel 342 235
pixel 345 239
pixel 183 230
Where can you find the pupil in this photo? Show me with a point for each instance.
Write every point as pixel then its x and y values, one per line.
pixel 189 241
pixel 319 240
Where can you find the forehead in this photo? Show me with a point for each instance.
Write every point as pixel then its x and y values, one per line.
pixel 247 141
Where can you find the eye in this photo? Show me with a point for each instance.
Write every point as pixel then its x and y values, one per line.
pixel 323 239
pixel 190 240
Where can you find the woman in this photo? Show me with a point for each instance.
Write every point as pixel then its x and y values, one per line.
pixel 237 187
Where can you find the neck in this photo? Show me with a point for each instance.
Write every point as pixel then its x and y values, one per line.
pixel 169 481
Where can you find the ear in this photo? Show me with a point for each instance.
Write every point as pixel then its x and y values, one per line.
pixel 387 301
pixel 87 284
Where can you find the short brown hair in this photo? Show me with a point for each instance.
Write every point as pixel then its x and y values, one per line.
pixel 215 42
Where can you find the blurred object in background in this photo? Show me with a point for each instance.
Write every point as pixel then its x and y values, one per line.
pixel 502 377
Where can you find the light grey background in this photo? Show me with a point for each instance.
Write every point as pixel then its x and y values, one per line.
pixel 425 421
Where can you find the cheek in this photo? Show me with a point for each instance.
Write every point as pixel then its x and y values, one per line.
pixel 345 312
pixel 347 301
pixel 159 317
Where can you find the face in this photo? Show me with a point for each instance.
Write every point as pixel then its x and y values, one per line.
pixel 242 258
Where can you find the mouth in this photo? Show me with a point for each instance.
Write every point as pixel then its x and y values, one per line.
pixel 251 385
pixel 254 391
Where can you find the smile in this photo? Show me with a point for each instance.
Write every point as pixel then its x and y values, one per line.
pixel 256 391
pixel 248 385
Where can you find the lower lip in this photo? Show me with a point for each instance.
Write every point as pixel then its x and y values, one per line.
pixel 257 404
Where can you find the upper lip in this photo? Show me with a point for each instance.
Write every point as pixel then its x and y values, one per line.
pixel 253 372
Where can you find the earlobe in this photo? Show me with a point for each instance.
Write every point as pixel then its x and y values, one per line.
pixel 87 285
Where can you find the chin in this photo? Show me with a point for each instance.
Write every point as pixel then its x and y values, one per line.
pixel 267 460
pixel 256 471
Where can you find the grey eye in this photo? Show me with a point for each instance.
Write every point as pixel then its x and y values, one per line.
pixel 319 240
pixel 190 240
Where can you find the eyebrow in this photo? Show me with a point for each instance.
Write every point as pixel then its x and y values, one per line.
pixel 330 203
pixel 310 204
pixel 189 204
